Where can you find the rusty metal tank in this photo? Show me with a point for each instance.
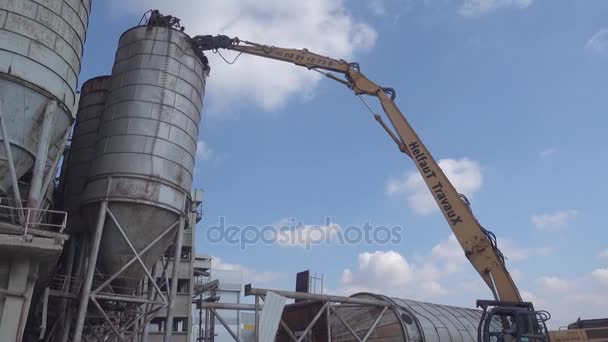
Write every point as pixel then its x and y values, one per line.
pixel 93 94
pixel 412 321
pixel 41 45
pixel 146 146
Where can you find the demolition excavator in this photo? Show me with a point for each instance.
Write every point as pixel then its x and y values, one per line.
pixel 519 319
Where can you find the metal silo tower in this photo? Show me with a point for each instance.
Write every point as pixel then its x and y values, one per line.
pixel 41 45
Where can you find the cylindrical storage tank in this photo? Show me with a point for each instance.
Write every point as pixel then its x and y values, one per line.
pixel 146 147
pixel 409 321
pixel 41 44
pixel 93 96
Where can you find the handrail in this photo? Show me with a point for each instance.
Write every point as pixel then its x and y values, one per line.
pixel 33 218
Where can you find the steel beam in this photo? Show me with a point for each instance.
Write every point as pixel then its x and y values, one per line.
pixel 90 273
pixel 313 322
pixel 373 327
pixel 249 291
pixel 137 256
pixel 221 319
pixel 350 330
pixel 179 238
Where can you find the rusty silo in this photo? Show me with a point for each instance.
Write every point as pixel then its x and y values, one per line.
pixel 41 45
pixel 93 94
pixel 137 192
pixel 146 146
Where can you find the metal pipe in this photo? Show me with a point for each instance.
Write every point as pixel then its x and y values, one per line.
pixel 65 330
pixel 11 162
pixel 126 299
pixel 144 333
pixel 229 306
pixel 257 318
pixel 90 272
pixel 33 200
pixel 249 291
pixel 206 332
pixel 179 238
pixel 45 310
pixel 51 175
pixel 234 336
pixel 327 321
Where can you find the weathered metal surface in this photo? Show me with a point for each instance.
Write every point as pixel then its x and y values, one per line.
pixel 146 146
pixel 41 43
pixel 93 96
pixel 415 321
pixel 271 316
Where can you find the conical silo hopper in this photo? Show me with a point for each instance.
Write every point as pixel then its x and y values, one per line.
pixel 41 44
pixel 146 147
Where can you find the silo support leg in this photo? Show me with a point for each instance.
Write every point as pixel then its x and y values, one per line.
pixel 90 272
pixel 179 237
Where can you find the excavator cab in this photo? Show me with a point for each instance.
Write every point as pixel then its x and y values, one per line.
pixel 511 322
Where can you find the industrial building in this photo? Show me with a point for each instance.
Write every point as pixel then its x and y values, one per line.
pixel 106 251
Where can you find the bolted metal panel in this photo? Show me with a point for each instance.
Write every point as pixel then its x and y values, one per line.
pixel 41 44
pixel 412 321
pixel 146 145
pixel 93 96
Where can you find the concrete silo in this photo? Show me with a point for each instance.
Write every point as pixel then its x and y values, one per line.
pixel 41 45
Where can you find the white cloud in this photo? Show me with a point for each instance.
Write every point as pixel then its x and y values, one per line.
pixel 203 152
pixel 376 6
pixel 598 43
pixel 514 252
pixel 322 26
pixel 305 236
pixel 603 254
pixel 601 275
pixel 550 221
pixel 567 299
pixel 390 273
pixel 553 283
pixel 250 276
pixel 464 173
pixel 473 8
pixel 548 152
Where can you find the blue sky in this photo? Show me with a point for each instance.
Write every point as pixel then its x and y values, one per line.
pixel 511 95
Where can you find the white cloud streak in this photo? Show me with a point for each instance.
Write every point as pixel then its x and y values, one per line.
pixel 474 8
pixel 555 220
pixel 305 236
pixel 464 173
pixel 203 152
pixel 323 26
pixel 601 275
pixel 250 276
pixel 547 152
pixel 598 43
pixel 388 272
